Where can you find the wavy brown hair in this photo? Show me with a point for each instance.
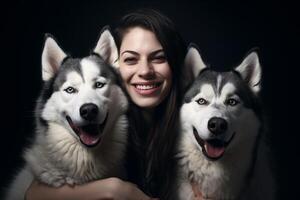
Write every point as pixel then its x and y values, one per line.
pixel 151 163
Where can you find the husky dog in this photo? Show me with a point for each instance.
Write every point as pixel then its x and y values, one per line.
pixel 81 131
pixel 222 153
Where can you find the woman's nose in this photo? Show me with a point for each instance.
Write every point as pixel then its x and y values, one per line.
pixel 145 70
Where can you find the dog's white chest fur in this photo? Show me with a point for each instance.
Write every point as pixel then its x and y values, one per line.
pixel 60 158
pixel 212 178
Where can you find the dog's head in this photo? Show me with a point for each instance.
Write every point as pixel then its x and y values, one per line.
pixel 81 94
pixel 220 108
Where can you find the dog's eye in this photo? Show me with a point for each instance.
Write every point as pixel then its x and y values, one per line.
pixel 99 85
pixel 70 90
pixel 232 102
pixel 201 101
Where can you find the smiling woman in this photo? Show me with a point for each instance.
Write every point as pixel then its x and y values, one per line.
pixel 144 68
pixel 151 55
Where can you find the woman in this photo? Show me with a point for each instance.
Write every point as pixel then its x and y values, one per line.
pixel 151 53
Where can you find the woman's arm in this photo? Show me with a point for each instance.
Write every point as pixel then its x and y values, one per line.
pixel 105 189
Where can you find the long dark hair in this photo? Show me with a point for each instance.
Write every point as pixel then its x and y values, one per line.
pixel 151 147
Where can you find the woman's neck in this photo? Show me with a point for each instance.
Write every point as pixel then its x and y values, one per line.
pixel 148 115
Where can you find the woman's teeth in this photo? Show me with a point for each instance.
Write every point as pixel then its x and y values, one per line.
pixel 145 87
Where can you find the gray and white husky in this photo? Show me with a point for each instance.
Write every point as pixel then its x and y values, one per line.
pixel 81 131
pixel 222 152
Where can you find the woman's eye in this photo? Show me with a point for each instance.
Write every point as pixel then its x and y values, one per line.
pixel 232 102
pixel 130 60
pixel 99 85
pixel 201 101
pixel 159 59
pixel 70 90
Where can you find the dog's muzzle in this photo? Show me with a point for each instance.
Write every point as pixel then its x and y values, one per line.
pixel 89 134
pixel 213 149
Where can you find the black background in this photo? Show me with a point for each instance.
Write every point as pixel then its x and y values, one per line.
pixel 224 31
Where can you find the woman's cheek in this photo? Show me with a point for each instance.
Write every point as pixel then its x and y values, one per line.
pixel 125 73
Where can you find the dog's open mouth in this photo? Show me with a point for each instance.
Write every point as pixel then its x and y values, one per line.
pixel 213 149
pixel 90 134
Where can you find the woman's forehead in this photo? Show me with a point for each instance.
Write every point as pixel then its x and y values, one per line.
pixel 141 40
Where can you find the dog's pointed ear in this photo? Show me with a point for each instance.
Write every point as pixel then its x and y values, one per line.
pixel 106 47
pixel 250 70
pixel 193 62
pixel 193 65
pixel 52 57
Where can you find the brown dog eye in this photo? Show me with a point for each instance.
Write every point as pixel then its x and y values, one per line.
pixel 231 102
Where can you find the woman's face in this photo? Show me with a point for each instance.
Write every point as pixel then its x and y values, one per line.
pixel 143 66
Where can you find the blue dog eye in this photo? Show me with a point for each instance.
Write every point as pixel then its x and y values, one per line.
pixel 99 85
pixel 201 101
pixel 70 90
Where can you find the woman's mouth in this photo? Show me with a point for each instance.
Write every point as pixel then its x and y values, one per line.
pixel 147 88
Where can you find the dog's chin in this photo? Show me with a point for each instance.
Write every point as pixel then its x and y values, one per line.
pixel 212 149
pixel 89 134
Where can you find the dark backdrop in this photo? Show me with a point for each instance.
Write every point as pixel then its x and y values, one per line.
pixel 224 31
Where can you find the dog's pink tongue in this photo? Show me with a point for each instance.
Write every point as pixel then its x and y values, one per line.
pixel 214 152
pixel 88 139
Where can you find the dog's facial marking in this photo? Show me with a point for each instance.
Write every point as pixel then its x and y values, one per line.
pixel 70 65
pixel 94 77
pixel 205 77
pixel 219 82
pixel 227 90
pixel 90 70
pixel 206 93
pixel 71 87
pixel 229 97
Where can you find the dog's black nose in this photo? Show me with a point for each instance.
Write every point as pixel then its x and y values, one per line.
pixel 88 111
pixel 217 125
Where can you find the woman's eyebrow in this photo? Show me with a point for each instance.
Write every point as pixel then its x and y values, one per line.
pixel 156 52
pixel 129 51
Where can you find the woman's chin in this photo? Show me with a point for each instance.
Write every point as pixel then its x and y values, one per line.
pixel 146 102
